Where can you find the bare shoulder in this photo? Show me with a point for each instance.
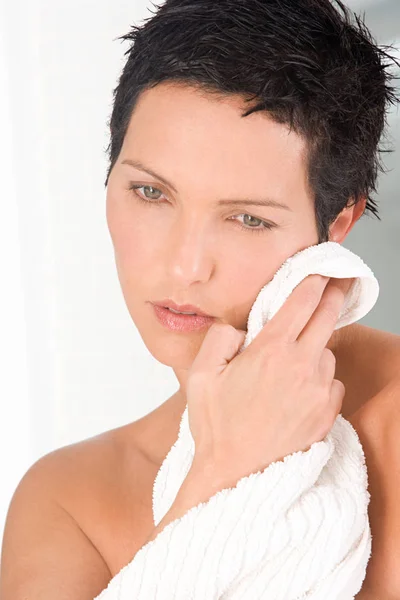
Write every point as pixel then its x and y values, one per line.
pixel 44 546
pixel 105 483
pixel 89 502
pixel 383 360
pixel 99 492
pixel 367 360
pixel 377 423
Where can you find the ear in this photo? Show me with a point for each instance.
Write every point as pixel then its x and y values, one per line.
pixel 345 221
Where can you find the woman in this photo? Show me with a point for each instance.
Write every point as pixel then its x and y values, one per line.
pixel 185 168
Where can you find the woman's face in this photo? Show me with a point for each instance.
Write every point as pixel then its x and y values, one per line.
pixel 184 244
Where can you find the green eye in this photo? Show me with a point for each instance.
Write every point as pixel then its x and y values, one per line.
pixel 144 187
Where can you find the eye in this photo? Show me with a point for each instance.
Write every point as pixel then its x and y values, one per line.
pixel 133 188
pixel 262 228
pixel 263 225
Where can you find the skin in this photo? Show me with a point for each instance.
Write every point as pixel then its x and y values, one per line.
pixel 88 506
pixel 188 248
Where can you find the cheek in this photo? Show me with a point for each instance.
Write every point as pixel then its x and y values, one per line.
pixel 248 266
pixel 245 273
pixel 244 270
pixel 130 234
pixel 113 215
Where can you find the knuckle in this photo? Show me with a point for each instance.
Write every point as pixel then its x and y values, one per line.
pixel 328 356
pixel 276 345
pixel 311 296
pixel 335 293
pixel 329 309
pixel 316 280
pixel 218 329
pixel 339 387
pixel 328 353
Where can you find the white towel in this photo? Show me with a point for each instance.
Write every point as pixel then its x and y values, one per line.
pixel 297 530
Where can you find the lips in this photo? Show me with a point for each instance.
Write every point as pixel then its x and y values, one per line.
pixel 181 323
pixel 184 308
pixel 180 312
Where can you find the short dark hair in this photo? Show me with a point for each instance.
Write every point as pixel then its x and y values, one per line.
pixel 311 64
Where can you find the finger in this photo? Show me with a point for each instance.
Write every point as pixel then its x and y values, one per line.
pixel 219 347
pixel 338 391
pixel 293 315
pixel 327 365
pixel 319 329
pixel 334 407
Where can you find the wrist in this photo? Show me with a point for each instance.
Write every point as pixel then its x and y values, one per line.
pixel 202 482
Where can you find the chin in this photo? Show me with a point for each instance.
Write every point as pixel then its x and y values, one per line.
pixel 177 351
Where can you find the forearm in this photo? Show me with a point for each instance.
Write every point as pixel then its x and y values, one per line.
pixel 217 538
pixel 201 483
pixel 196 488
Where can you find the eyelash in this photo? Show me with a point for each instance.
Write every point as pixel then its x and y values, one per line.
pixel 265 225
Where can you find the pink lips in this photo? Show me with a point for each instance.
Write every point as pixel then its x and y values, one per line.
pixel 183 323
pixel 186 308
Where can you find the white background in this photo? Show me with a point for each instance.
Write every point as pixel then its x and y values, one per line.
pixel 72 362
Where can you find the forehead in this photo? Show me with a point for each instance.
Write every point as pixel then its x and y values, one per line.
pixel 184 130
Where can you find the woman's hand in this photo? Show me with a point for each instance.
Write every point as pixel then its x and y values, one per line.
pixel 277 397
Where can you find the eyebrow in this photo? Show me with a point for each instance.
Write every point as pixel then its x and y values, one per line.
pixel 255 202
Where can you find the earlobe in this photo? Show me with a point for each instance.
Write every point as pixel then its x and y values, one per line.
pixel 346 220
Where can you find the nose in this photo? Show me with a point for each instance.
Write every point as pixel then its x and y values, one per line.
pixel 189 253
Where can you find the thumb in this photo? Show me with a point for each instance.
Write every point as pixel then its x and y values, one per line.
pixel 219 347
